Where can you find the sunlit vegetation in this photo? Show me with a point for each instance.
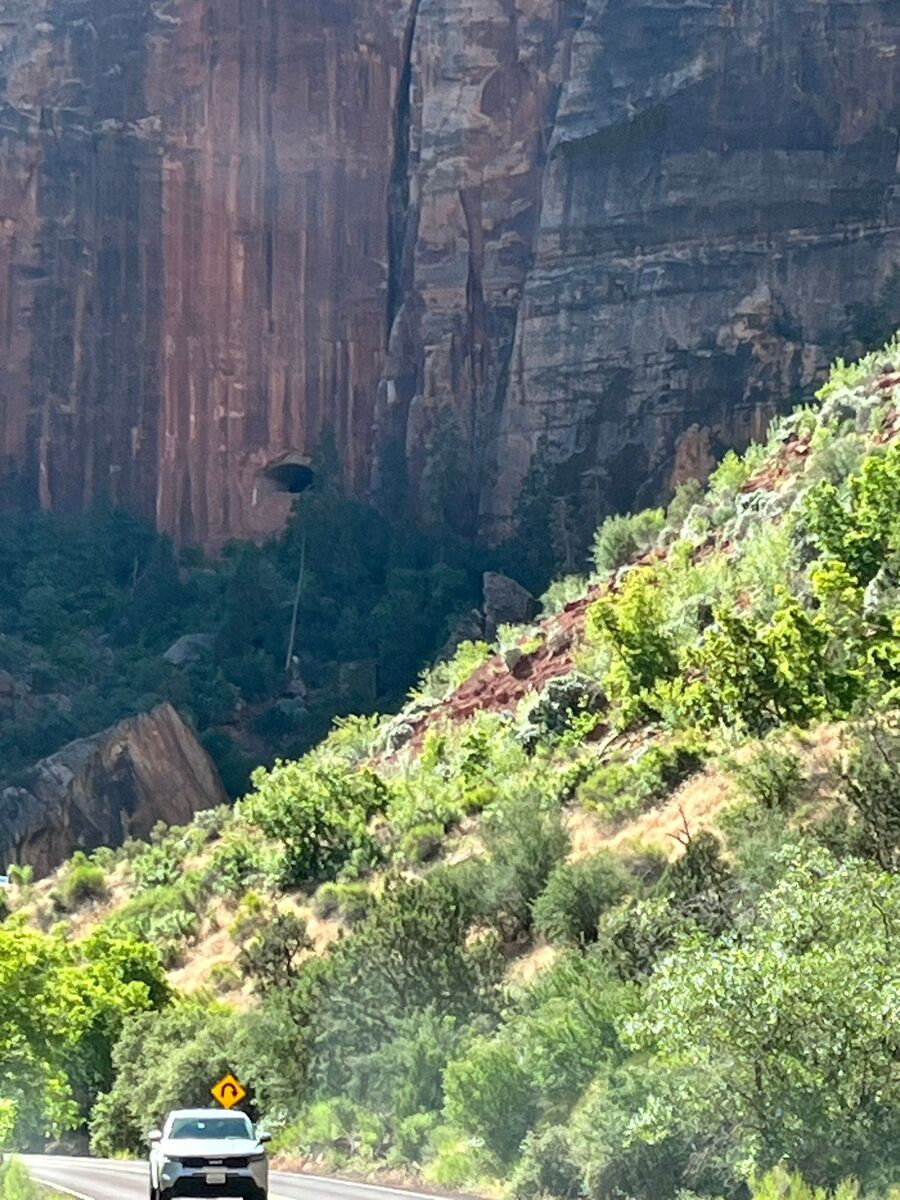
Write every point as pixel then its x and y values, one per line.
pixel 713 1015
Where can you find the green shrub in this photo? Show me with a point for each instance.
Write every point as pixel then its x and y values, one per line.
pixel 490 1097
pixel 422 843
pixel 81 883
pixel 272 954
pixel 158 866
pixel 526 839
pixel 16 1183
pixel 871 790
pixel 576 896
pixel 349 901
pixel 621 539
pixel 238 862
pixel 687 495
pixel 456 1160
pixel 547 1167
pixel 772 778
pixel 439 681
pixel 318 812
pixel 624 786
pixel 162 916
pixel 559 707
pixel 630 627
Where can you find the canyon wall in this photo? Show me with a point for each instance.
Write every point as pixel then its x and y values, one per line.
pixel 612 236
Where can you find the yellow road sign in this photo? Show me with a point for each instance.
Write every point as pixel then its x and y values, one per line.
pixel 229 1091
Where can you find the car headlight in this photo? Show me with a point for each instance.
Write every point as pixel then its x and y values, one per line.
pixel 257 1157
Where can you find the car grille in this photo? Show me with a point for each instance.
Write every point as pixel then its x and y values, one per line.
pixel 223 1164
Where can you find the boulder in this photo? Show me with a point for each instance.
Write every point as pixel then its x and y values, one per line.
pixel 505 603
pixel 189 649
pixel 100 790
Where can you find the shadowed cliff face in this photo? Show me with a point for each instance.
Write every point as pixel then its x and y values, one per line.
pixel 454 232
pixel 721 189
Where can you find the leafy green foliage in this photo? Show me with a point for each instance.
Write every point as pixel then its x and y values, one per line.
pixel 782 1035
pixel 630 627
pixel 771 778
pixel 526 839
pixel 489 1095
pixel 61 1010
pixel 858 524
pixel 871 789
pixel 82 882
pixel 620 540
pixel 318 813
pixel 576 896
pixel 16 1183
pixel 349 901
pixel 623 786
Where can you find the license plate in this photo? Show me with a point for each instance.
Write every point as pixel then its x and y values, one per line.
pixel 215 1177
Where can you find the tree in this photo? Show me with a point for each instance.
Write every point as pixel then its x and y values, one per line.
pixel 319 813
pixel 780 1039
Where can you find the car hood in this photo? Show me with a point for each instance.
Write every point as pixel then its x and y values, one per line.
pixel 210 1148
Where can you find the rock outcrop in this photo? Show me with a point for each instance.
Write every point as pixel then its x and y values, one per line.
pixel 459 234
pixel 100 790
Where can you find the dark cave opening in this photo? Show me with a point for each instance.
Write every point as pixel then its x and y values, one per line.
pixel 291 475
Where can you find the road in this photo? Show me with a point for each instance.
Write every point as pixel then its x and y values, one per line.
pixel 97 1179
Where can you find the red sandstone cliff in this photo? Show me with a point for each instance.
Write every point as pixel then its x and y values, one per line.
pixel 450 230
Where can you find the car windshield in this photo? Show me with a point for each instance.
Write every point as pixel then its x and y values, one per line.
pixel 211 1128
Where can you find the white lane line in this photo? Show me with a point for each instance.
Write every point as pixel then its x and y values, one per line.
pixel 59 1187
pixel 299 1176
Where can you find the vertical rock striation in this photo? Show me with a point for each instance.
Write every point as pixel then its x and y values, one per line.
pixel 193 248
pixel 721 191
pixel 455 233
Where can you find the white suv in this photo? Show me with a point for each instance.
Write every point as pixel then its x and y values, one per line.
pixel 208 1152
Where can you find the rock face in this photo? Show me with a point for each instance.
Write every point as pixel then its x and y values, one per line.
pixel 100 790
pixel 722 188
pixel 193 248
pixel 461 235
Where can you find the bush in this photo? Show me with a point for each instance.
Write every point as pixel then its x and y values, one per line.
pixel 622 787
pixel 526 839
pixel 81 883
pixel 576 896
pixel 620 539
pixel 630 627
pixel 160 865
pixel 349 901
pixel 563 701
pixel 871 789
pixel 162 916
pixel 773 778
pixel 272 955
pixel 547 1167
pixel 318 811
pixel 490 1097
pixel 421 843
pixel 16 1183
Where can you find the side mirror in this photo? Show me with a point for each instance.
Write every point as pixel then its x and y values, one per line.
pixel 262 1138
pixel 155 1135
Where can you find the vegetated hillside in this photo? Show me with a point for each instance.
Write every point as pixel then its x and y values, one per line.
pixel 442 944
pixel 100 619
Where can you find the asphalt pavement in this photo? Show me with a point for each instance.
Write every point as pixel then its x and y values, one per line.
pixel 99 1179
